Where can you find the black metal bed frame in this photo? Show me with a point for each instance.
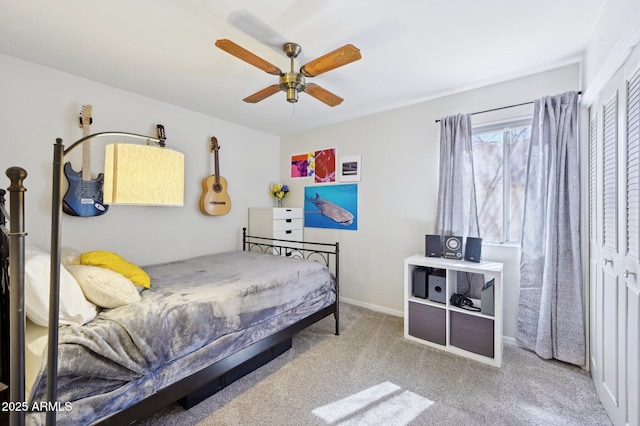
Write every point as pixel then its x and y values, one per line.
pixel 195 388
pixel 4 292
pixel 319 252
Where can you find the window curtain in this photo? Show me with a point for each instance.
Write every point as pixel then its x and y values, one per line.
pixel 457 210
pixel 550 315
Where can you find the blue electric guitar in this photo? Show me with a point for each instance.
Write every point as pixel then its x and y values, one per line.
pixel 84 195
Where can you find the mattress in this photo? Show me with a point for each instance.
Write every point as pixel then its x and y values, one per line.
pixel 196 312
pixel 35 338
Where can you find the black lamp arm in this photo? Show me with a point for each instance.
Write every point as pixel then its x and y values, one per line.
pixel 96 135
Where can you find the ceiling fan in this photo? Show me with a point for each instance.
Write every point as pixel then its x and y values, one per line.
pixel 293 82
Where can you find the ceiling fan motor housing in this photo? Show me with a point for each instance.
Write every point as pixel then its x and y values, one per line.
pixel 292 83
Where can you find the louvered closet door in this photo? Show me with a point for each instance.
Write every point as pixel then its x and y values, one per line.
pixel 632 247
pixel 609 294
pixel 594 235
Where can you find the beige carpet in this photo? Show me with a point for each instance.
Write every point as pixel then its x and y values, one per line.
pixel 371 375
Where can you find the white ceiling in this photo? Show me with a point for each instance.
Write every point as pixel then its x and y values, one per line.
pixel 412 50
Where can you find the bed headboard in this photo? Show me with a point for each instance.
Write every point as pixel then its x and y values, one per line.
pixel 12 251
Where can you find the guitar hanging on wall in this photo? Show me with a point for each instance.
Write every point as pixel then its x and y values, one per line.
pixel 84 195
pixel 215 200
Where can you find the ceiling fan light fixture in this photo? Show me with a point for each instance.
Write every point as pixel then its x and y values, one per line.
pixel 292 83
pixel 292 96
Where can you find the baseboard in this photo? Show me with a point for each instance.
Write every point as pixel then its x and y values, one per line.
pixel 510 340
pixel 372 307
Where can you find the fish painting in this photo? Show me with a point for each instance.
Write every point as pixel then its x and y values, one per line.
pixel 332 211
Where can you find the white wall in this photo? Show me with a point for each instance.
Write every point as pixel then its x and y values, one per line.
pixel 38 104
pixel 617 32
pixel 398 191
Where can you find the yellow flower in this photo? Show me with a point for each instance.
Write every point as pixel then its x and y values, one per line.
pixel 278 190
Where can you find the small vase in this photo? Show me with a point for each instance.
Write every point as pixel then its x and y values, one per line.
pixel 278 202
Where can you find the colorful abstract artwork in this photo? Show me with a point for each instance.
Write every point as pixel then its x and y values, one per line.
pixel 325 166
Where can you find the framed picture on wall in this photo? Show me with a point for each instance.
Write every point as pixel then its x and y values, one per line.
pixel 302 165
pixel 331 206
pixel 350 168
pixel 325 165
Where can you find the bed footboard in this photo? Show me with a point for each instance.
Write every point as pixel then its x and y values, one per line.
pixel 325 253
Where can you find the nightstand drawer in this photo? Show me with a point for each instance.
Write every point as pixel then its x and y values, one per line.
pixel 286 224
pixel 287 213
pixel 291 234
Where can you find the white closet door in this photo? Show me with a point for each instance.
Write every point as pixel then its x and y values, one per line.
pixel 632 247
pixel 610 378
pixel 594 259
pixel 615 244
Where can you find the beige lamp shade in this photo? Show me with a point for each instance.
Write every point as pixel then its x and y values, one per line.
pixel 143 175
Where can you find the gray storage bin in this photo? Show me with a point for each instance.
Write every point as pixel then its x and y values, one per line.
pixel 428 323
pixel 471 333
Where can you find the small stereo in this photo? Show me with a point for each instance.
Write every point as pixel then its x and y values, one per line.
pixel 472 249
pixel 433 246
pixel 452 247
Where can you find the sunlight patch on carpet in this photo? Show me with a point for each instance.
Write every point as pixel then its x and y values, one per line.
pixel 381 404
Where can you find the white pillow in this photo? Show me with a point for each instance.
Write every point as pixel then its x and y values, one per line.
pixel 74 307
pixel 30 251
pixel 69 256
pixel 103 286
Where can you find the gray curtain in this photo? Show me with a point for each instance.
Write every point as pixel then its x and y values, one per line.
pixel 550 315
pixel 457 210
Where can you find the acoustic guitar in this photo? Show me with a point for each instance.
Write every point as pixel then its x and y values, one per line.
pixel 84 195
pixel 215 200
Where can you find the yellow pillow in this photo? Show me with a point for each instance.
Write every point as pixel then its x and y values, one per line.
pixel 116 263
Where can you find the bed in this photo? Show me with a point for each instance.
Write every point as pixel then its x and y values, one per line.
pixel 203 323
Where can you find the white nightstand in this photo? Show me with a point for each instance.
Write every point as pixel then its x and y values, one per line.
pixel 282 223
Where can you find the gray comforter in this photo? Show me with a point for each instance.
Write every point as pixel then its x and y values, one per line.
pixel 196 312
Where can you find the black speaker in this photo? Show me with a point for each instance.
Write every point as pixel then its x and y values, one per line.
pixel 452 247
pixel 420 282
pixel 437 285
pixel 472 249
pixel 433 246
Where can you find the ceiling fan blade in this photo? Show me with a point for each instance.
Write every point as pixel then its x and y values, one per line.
pixel 323 95
pixel 332 60
pixel 262 94
pixel 243 54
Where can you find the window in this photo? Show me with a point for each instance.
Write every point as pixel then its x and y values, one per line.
pixel 500 154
